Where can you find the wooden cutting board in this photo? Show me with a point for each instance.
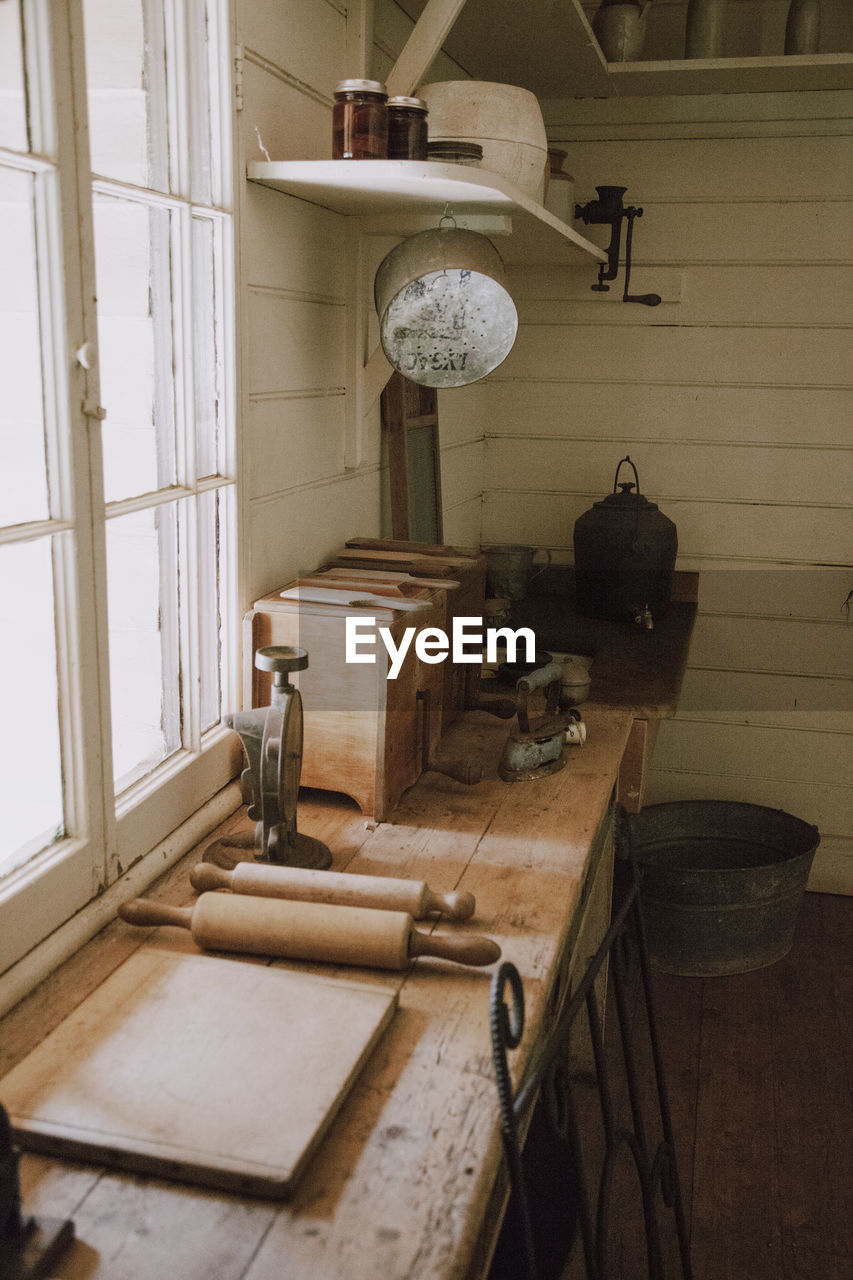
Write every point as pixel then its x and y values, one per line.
pixel 209 1070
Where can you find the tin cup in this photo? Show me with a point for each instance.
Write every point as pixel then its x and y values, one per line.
pixel 509 569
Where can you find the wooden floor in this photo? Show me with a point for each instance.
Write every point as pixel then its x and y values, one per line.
pixel 760 1076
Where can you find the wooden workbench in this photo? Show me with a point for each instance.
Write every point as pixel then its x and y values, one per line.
pixel 403 1186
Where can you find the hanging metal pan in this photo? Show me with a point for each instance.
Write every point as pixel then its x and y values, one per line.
pixel 446 318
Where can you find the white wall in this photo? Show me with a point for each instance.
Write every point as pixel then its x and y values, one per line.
pixel 301 496
pixel 732 396
pixel 733 400
pixel 299 500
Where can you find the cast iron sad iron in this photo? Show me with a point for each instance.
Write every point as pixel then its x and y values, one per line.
pixel 536 750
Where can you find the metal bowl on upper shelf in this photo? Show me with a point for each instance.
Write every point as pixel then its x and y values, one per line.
pixel 502 118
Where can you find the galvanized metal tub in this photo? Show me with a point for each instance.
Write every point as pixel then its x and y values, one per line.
pixel 722 883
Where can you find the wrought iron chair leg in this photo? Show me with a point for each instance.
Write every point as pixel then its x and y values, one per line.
pixel 549 1077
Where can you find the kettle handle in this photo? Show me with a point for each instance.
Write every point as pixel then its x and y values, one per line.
pixel 633 468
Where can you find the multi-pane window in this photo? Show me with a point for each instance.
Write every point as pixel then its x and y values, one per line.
pixel 116 440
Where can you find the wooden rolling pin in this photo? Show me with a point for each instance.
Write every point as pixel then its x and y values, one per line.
pixel 309 931
pixel 303 885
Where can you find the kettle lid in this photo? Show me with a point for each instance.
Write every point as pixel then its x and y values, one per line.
pixel 623 498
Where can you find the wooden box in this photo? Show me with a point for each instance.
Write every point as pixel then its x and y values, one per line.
pixel 465 573
pixel 365 734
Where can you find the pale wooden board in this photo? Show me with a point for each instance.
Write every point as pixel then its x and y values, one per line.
pixel 209 1070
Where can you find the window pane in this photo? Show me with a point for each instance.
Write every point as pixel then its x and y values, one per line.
pixel 200 39
pixel 211 531
pixel 30 772
pixel 142 588
pixel 23 485
pixel 126 82
pixel 208 389
pixel 13 104
pixel 132 267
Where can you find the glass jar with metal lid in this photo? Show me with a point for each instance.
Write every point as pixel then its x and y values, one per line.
pixel 407 129
pixel 360 121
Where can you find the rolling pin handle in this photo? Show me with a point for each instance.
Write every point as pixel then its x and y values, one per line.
pixel 456 906
pixel 464 948
pixel 209 875
pixel 143 911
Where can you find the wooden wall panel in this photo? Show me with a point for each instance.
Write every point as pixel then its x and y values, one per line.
pixel 759 590
pixel 294 343
pixel 773 645
pixel 462 523
pixel 461 479
pixel 748 474
pixel 827 805
pixel 734 402
pixel 594 409
pixel 808 754
pixel 293 124
pixel 727 689
pixel 304 39
pixel 701 355
pixel 702 168
pixel 719 293
pixel 301 527
pixel 290 244
pixel 722 531
pixel 294 440
pixel 300 500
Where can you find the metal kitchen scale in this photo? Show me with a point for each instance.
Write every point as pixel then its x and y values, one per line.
pixel 272 742
pixel 534 748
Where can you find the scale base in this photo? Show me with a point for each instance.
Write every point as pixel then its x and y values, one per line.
pixel 300 851
pixel 35 1250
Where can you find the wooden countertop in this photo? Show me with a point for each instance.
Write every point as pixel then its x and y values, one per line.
pixel 631 667
pixel 401 1185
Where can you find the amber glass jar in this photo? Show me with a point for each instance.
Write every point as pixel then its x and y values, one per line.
pixel 360 121
pixel 407 129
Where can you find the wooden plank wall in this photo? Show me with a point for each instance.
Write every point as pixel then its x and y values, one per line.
pixel 300 499
pixel 732 396
pixel 733 399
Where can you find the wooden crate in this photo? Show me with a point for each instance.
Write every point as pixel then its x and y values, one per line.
pixel 464 568
pixel 365 735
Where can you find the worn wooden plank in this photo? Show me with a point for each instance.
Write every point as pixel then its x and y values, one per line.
pixel 128 1228
pixel 749 473
pixel 814 1114
pixel 735 1222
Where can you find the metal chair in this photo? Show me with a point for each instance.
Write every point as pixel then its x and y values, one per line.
pixel 596 1116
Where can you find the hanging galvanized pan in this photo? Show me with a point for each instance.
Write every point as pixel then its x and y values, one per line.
pixel 445 316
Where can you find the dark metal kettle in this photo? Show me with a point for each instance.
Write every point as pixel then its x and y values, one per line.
pixel 625 550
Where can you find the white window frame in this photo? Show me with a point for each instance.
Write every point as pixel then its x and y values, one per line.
pixel 108 835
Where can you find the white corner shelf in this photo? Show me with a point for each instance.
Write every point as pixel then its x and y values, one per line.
pixel 793 72
pixel 385 194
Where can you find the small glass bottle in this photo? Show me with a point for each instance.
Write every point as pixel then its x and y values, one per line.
pixel 360 121
pixel 407 129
